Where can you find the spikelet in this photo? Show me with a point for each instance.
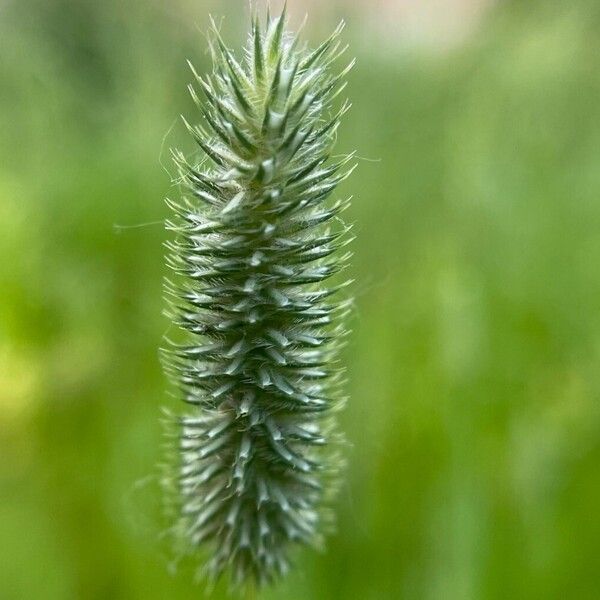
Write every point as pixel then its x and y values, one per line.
pixel 256 236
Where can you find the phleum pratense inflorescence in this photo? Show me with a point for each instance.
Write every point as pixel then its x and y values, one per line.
pixel 257 238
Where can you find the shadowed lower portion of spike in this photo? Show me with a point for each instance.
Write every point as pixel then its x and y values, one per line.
pixel 256 239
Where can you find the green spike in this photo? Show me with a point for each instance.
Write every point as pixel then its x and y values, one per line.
pixel 275 41
pixel 322 49
pixel 256 240
pixel 258 51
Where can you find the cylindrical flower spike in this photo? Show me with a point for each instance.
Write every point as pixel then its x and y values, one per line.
pixel 256 237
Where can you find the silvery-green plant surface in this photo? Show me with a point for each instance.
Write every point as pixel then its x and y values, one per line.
pixel 257 237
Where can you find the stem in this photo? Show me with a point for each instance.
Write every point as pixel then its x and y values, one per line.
pixel 251 592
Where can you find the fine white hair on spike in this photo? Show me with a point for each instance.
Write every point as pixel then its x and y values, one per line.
pixel 256 253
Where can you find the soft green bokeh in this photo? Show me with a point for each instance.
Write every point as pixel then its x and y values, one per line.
pixel 474 471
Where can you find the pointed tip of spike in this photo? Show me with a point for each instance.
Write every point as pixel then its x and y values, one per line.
pixel 275 34
pixel 192 68
pixel 213 23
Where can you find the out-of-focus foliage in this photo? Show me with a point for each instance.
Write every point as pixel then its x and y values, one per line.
pixel 475 414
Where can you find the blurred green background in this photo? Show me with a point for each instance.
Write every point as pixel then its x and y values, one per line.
pixel 474 471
